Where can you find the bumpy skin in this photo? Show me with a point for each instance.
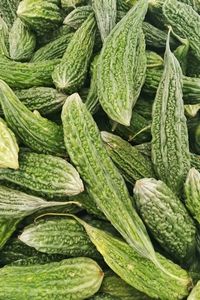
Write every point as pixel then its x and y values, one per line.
pixel 195 294
pixel 101 296
pixel 138 271
pixel 70 74
pixel 25 75
pixel 59 236
pixel 16 252
pixel 72 3
pixel 106 15
pixel 43 99
pixel 78 16
pixel 74 279
pixel 36 132
pixel 166 217
pixel 122 66
pixel 116 287
pixel 194 3
pixel 154 60
pixel 15 206
pixel 192 193
pixel 40 15
pixel 22 41
pixel 8 9
pixel 102 180
pixel 191 86
pixel 3 38
pixel 52 50
pixel 170 147
pixel 44 175
pixel 130 162
pixel 8 147
pixel 185 21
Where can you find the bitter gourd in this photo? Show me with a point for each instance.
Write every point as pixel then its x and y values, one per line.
pixel 101 296
pixel 192 193
pixel 131 163
pixel 102 179
pixel 59 236
pixel 138 271
pixel 4 33
pixel 73 278
pixel 52 50
pixel 72 3
pixel 170 146
pixel 43 99
pixel 70 74
pixel 78 16
pixel 16 205
pixel 185 22
pixel 154 60
pixel 122 66
pixel 195 294
pixel 8 147
pixel 8 11
pixel 155 201
pixel 36 132
pixel 106 15
pixel 25 75
pixel 40 259
pixel 22 41
pixel 40 15
pixel 58 177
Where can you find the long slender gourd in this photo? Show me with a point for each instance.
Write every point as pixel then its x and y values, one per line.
pixel 22 41
pixel 73 278
pixel 103 181
pixel 130 162
pixel 8 11
pixel 71 73
pixel 177 234
pixel 8 147
pixel 170 146
pixel 138 271
pixel 106 15
pixel 16 205
pixel 77 16
pixel 36 132
pixel 44 175
pixel 122 66
pixel 192 193
pixel 46 100
pixel 59 236
pixel 25 75
pixel 4 34
pixel 185 21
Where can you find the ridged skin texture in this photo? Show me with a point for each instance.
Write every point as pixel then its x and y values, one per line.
pixel 39 14
pixel 17 252
pixel 22 41
pixel 170 146
pixel 70 279
pixel 72 3
pixel 8 147
pixel 191 86
pixel 101 296
pixel 115 286
pixel 138 271
pixel 192 193
pixel 3 38
pixel 195 294
pixel 102 179
pixel 52 50
pixel 185 21
pixel 44 175
pixel 122 66
pixel 92 101
pixel 59 236
pixel 130 162
pixel 25 75
pixel 176 233
pixel 106 15
pixel 154 60
pixel 70 74
pixel 43 99
pixel 8 9
pixel 194 3
pixel 36 132
pixel 78 16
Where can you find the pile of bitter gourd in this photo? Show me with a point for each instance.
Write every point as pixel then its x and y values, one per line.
pixel 99 149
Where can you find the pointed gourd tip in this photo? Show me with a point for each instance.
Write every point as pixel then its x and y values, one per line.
pixel 105 136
